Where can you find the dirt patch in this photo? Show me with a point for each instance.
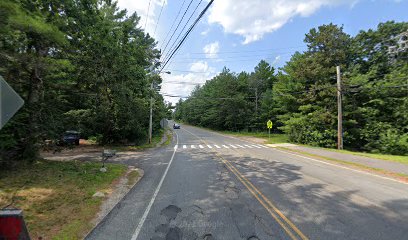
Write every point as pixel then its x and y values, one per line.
pixel 81 152
pixel 117 192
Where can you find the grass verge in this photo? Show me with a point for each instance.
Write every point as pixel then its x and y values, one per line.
pixel 400 176
pixel 132 177
pixel 56 197
pixel 386 157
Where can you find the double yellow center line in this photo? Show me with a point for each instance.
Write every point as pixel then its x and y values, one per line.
pixel 279 217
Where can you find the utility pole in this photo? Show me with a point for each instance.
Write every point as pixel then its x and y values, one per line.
pixel 151 107
pixel 151 114
pixel 256 101
pixel 339 111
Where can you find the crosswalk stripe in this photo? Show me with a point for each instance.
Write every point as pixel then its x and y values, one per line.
pixel 247 146
pixel 240 146
pixel 201 146
pixel 256 146
pixel 209 146
pixel 233 146
pixel 262 146
pixel 217 146
pixel 225 146
pixel 192 146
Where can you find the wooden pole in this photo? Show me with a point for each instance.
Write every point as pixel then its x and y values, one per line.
pixel 339 111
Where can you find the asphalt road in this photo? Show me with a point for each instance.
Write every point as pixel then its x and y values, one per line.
pixel 209 186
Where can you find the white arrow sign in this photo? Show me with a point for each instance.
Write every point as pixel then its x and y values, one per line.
pixel 10 102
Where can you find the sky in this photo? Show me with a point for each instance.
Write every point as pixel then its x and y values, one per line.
pixel 239 34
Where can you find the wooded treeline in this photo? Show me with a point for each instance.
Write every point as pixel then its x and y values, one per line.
pixel 79 65
pixel 301 97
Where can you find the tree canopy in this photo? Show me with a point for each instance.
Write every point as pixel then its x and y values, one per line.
pixel 79 65
pixel 301 97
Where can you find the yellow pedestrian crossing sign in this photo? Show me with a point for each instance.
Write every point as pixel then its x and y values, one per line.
pixel 269 124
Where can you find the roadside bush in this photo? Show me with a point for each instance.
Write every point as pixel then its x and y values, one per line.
pixel 382 137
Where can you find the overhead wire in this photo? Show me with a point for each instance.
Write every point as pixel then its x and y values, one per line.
pixel 187 33
pixel 147 16
pixel 172 25
pixel 158 19
pixel 184 27
pixel 165 47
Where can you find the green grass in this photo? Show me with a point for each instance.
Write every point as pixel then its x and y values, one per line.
pixel 386 157
pixel 169 135
pixel 353 164
pixel 274 137
pixel 56 197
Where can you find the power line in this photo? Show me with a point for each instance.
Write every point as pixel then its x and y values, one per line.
pixel 234 57
pixel 188 32
pixel 172 25
pixel 158 19
pixel 182 83
pixel 184 27
pixel 165 47
pixel 186 71
pixel 245 51
pixel 147 16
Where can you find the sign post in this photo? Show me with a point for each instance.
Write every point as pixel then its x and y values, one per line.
pixel 10 102
pixel 269 125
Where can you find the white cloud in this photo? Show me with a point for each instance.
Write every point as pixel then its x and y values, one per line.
pixel 211 49
pixel 200 66
pixel 276 60
pixel 252 19
pixel 205 32
pixel 200 73
pixel 141 8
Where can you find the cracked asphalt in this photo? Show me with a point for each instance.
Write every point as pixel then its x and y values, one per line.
pixel 252 193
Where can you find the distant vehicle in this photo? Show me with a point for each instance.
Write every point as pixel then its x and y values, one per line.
pixel 176 126
pixel 70 137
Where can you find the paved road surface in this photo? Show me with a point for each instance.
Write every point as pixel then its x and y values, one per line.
pixel 209 186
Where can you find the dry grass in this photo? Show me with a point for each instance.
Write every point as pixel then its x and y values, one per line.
pixel 56 197
pixel 132 177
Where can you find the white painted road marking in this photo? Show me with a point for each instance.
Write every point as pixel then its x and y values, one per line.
pixel 340 166
pixel 146 212
pixel 235 146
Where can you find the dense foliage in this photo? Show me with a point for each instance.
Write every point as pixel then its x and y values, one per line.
pixel 301 98
pixel 79 65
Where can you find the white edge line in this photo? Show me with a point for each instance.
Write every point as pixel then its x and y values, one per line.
pixel 146 212
pixel 339 166
pixel 331 164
